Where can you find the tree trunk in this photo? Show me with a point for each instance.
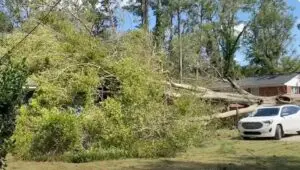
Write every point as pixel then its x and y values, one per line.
pixel 160 25
pixel 180 44
pixel 145 21
pixel 242 97
pixel 204 93
pixel 112 19
pixel 234 112
pixel 200 40
pixel 282 99
pixel 170 46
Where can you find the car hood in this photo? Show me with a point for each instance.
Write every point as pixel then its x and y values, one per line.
pixel 258 119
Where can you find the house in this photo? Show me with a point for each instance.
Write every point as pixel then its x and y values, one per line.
pixel 268 85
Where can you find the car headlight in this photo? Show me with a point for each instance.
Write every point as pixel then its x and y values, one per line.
pixel 268 122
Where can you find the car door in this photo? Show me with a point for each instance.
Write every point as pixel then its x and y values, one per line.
pixel 296 118
pixel 287 119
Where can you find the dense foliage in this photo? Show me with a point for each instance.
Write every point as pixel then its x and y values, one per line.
pixel 65 119
pixel 12 79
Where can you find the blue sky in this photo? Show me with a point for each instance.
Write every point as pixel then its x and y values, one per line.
pixel 296 33
pixel 129 22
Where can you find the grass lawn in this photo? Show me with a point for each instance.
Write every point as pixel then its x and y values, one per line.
pixel 224 152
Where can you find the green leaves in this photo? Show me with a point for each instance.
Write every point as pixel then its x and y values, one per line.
pixel 5 23
pixel 12 79
pixel 269 35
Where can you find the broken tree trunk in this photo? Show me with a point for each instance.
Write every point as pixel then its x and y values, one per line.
pixel 205 93
pixel 237 87
pixel 242 97
pixel 227 97
pixel 233 112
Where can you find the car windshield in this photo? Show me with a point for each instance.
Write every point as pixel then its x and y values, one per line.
pixel 266 112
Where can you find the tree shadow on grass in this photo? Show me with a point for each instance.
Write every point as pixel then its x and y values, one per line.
pixel 244 163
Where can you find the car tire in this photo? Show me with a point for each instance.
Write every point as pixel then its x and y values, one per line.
pixel 278 133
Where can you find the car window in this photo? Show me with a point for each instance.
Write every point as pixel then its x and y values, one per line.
pixel 294 109
pixel 289 110
pixel 266 112
pixel 285 111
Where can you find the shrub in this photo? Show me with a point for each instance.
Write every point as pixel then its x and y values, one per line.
pixel 12 79
pixel 51 134
pixel 57 132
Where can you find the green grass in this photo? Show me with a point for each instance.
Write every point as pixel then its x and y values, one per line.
pixel 226 151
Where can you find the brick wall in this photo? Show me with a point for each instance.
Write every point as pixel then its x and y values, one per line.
pixel 273 91
pixel 289 89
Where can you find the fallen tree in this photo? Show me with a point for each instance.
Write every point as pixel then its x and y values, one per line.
pixel 234 112
pixel 205 93
pixel 241 97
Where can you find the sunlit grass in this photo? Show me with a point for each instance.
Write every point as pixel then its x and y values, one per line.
pixel 226 151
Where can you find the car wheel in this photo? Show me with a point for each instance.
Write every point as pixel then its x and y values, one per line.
pixel 278 133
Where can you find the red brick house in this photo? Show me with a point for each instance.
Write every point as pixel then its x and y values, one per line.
pixel 269 85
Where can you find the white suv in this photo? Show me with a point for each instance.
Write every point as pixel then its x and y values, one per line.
pixel 275 121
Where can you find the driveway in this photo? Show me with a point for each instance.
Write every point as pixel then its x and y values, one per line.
pixel 292 138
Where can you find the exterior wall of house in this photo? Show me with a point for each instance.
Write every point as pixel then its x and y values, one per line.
pixel 254 91
pixel 293 86
pixel 273 91
pixel 289 89
pixel 295 82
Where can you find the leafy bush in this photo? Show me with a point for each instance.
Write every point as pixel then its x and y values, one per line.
pixel 49 135
pixel 12 79
pixel 56 133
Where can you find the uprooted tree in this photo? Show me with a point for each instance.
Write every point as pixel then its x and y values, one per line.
pixel 239 97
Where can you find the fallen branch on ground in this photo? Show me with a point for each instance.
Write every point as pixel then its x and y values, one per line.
pixel 233 112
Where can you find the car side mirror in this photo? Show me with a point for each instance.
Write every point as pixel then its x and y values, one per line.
pixel 284 114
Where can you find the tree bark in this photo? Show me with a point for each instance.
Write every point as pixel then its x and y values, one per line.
pixel 242 97
pixel 145 21
pixel 180 44
pixel 205 93
pixel 159 26
pixel 234 112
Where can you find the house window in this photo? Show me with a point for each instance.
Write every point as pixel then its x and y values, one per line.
pixel 296 90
